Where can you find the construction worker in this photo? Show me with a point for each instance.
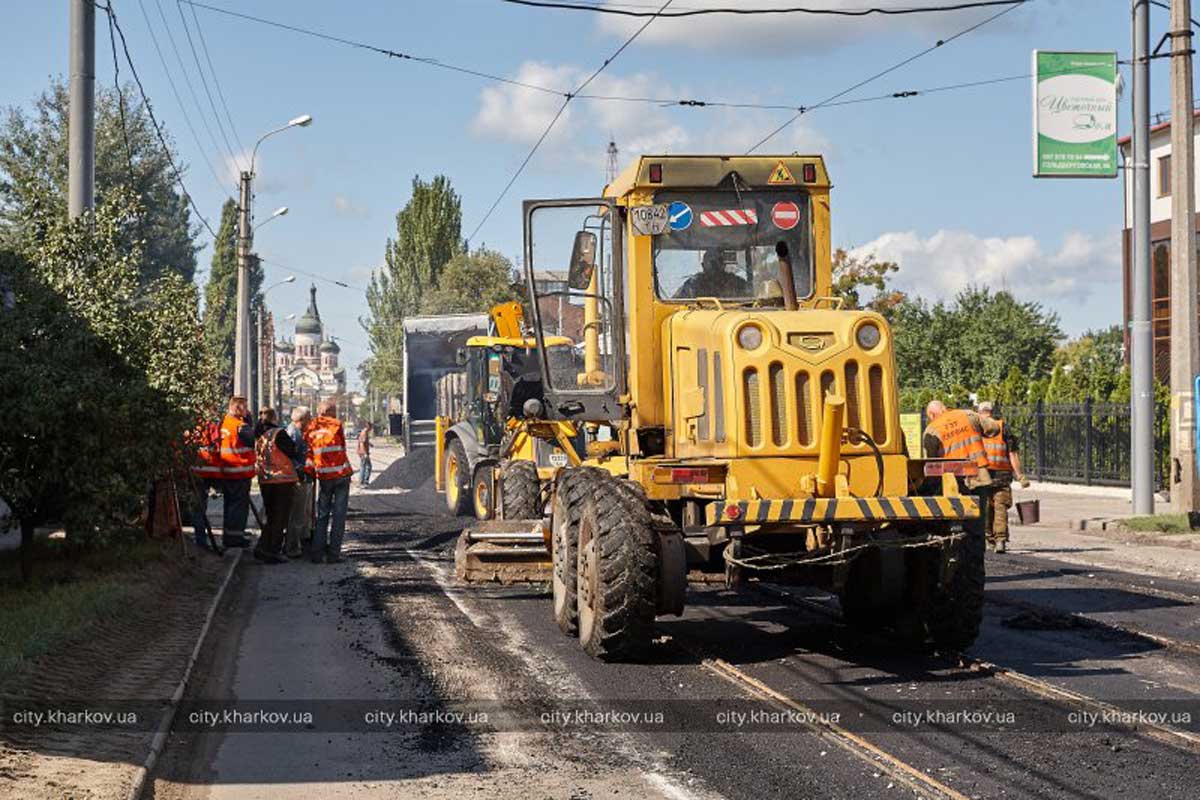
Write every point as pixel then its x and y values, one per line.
pixel 327 442
pixel 1003 463
pixel 206 473
pixel 958 434
pixel 277 478
pixel 299 527
pixel 237 470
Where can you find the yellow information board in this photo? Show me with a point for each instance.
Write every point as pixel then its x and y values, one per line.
pixel 910 425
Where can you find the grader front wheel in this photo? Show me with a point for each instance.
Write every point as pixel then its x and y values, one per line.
pixel 617 573
pixel 520 491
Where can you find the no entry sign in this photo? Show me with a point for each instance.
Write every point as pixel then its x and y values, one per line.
pixel 785 215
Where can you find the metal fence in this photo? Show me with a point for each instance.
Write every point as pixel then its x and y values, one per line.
pixel 1084 442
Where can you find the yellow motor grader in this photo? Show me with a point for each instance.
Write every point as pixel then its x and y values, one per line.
pixel 742 421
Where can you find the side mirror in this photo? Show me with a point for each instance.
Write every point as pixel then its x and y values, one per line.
pixel 583 260
pixel 460 356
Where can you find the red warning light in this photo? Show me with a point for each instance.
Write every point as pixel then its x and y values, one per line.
pixel 656 173
pixel 810 173
pixel 732 511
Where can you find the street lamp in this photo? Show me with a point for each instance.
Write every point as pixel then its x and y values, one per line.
pixel 279 212
pixel 277 381
pixel 261 366
pixel 241 349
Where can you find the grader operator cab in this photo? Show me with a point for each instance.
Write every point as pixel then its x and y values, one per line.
pixel 741 421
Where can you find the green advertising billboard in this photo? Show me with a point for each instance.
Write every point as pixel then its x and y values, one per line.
pixel 1074 115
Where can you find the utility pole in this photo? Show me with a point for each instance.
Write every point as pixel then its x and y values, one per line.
pixel 241 347
pixel 1141 356
pixel 1185 350
pixel 81 125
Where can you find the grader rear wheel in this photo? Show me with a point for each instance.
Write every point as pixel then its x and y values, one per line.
pixel 617 573
pixel 955 610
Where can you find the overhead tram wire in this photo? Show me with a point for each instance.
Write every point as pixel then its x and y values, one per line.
pixel 313 275
pixel 162 139
pixel 187 30
pixel 881 73
pixel 216 80
pixel 178 99
pixel 432 62
pixel 700 12
pixel 557 116
pixel 187 81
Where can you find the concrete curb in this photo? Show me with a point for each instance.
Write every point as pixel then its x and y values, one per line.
pixel 168 719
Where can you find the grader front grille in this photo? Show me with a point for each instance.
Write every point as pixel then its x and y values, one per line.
pixel 789 410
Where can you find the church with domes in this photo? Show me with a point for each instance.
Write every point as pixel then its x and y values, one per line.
pixel 307 365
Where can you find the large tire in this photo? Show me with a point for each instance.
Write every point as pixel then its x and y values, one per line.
pixel 616 573
pixel 955 611
pixel 482 500
pixel 520 491
pixel 574 485
pixel 457 470
pixel 862 608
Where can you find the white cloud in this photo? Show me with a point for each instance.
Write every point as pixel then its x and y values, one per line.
pixel 948 261
pixel 518 114
pixel 742 36
pixel 345 207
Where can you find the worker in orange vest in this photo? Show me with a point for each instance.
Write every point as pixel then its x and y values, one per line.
pixel 327 442
pixel 954 433
pixel 277 478
pixel 300 521
pixel 1004 463
pixel 237 470
pixel 205 439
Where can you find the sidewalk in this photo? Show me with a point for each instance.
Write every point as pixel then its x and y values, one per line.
pixel 1053 536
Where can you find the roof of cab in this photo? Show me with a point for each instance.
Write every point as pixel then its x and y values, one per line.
pixel 700 171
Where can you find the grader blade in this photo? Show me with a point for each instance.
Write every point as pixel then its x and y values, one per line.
pixel 508 551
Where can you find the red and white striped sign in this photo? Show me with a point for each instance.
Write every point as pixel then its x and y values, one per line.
pixel 733 216
pixel 785 215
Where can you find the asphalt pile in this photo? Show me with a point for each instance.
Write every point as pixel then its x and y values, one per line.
pixel 413 471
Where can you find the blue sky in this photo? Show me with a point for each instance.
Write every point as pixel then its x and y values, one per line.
pixel 940 182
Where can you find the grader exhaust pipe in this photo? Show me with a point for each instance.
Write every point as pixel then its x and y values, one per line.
pixel 831 445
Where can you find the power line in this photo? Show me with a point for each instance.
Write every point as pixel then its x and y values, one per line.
pixel 178 99
pixel 432 62
pixel 112 18
pixel 313 275
pixel 204 82
pixel 186 80
pixel 699 12
pixel 557 116
pixel 881 73
pixel 112 40
pixel 216 80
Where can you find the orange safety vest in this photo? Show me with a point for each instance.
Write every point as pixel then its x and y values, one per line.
pixel 997 451
pixel 272 464
pixel 206 438
pixel 959 438
pixel 237 460
pixel 327 444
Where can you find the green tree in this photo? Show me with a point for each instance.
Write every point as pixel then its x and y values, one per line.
pixel 1094 361
pixel 220 293
pixel 428 235
pixel 472 282
pixel 33 177
pixel 112 368
pixel 854 274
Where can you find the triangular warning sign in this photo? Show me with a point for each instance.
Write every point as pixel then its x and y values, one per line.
pixel 781 174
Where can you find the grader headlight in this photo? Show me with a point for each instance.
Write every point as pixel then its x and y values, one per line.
pixel 868 336
pixel 750 337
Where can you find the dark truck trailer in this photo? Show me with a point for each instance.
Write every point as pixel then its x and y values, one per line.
pixel 433 379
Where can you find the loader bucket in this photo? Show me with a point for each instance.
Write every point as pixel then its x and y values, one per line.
pixel 503 551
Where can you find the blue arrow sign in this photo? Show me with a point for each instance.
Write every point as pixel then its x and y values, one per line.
pixel 679 216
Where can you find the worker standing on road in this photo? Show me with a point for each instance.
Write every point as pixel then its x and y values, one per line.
pixel 299 526
pixel 206 473
pixel 277 478
pixel 364 454
pixel 237 470
pixel 327 441
pixel 959 434
pixel 1004 464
